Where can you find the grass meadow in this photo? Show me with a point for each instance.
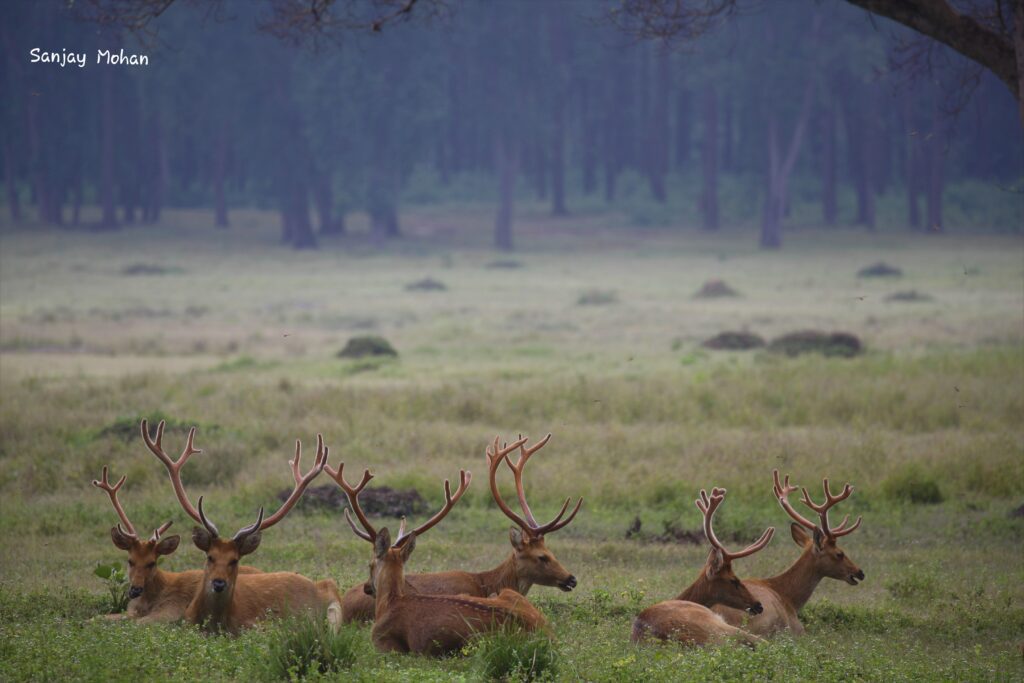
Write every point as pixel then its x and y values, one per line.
pixel 587 331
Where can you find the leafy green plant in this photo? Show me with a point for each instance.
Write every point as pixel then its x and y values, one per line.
pixel 116 579
pixel 512 654
pixel 307 646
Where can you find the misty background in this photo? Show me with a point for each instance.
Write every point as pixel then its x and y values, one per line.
pixel 506 105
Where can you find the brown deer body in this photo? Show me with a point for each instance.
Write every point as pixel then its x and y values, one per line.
pixel 784 595
pixel 687 618
pixel 530 563
pixel 227 598
pixel 406 621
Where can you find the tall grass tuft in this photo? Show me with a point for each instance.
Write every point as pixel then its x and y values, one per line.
pixel 913 484
pixel 512 654
pixel 306 646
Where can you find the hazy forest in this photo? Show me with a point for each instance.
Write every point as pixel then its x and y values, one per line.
pixel 693 240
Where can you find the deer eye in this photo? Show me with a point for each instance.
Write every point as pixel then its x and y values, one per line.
pixel 840 556
pixel 544 558
pixel 209 558
pixel 131 563
pixel 150 565
pixel 233 562
pixel 736 582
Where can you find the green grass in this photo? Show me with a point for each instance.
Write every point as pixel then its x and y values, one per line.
pixel 926 424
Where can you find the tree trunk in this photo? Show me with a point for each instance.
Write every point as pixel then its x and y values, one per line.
pixel 558 38
pixel 589 142
pixel 505 155
pixel 935 175
pixel 109 219
pixel 858 144
pixel 709 160
pixel 323 198
pixel 829 209
pixel 658 136
pixel 220 171
pixel 727 147
pixel 11 181
pixel 682 139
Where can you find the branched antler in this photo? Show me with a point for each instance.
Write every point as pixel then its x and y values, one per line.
pixel 352 493
pixel 112 489
pixel 707 505
pixel 822 510
pixel 173 466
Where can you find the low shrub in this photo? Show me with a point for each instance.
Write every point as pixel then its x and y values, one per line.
pixel 841 344
pixel 597 297
pixel 734 341
pixel 427 284
pixel 909 296
pixel 912 484
pixel 365 346
pixel 512 654
pixel 116 580
pixel 715 289
pixel 307 646
pixel 879 269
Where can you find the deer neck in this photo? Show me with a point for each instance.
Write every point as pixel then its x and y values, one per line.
pixel 390 587
pixel 699 592
pixel 213 608
pixel 503 576
pixel 797 583
pixel 157 583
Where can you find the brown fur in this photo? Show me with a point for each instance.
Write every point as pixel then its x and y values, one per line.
pixel 520 571
pixel 785 594
pixel 435 624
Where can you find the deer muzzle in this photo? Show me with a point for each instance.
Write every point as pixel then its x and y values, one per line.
pixel 134 592
pixel 756 608
pixel 568 584
pixel 219 585
pixel 854 579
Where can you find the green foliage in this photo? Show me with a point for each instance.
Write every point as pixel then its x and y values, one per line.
pixel 913 584
pixel 914 484
pixel 512 654
pixel 116 580
pixel 368 345
pixel 302 647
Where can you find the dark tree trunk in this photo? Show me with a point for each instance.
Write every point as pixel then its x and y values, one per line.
pixel 505 157
pixel 558 37
pixel 11 181
pixel 727 147
pixel 220 172
pixel 540 170
pixel 323 198
pixel 682 139
pixel 76 194
pixel 109 218
pixel 658 135
pixel 934 174
pixel 858 144
pixel 589 140
pixel 829 210
pixel 709 159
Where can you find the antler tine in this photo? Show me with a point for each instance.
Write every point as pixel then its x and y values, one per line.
pixel 841 530
pixel 782 491
pixel 830 500
pixel 449 502
pixel 755 546
pixel 245 532
pixel 104 484
pixel 206 522
pixel 708 506
pixel 301 481
pixel 554 524
pixel 157 533
pixel 173 466
pixel 495 455
pixel 352 493
pixel 517 473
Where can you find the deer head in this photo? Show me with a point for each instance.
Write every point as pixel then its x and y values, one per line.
pixel 389 558
pixel 829 559
pixel 142 555
pixel 718 583
pixel 535 563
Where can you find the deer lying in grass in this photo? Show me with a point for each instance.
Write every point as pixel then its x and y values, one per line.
pixel 154 595
pixel 227 599
pixel 785 594
pixel 687 618
pixel 406 621
pixel 530 562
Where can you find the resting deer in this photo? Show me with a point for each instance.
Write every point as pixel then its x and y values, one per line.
pixel 227 599
pixel 530 562
pixel 686 618
pixel 154 595
pixel 406 621
pixel 784 595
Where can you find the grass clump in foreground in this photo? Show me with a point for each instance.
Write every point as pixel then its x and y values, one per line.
pixel 513 654
pixel 301 647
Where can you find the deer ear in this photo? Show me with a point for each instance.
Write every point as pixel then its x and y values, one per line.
pixel 168 545
pixel 250 543
pixel 382 543
pixel 120 539
pixel 408 547
pixel 515 535
pixel 819 539
pixel 799 534
pixel 715 563
pixel 201 538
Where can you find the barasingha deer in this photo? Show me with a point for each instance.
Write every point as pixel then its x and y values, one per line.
pixel 530 562
pixel 687 618
pixel 785 594
pixel 154 595
pixel 227 599
pixel 406 621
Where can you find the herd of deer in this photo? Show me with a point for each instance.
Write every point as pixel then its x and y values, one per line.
pixel 437 613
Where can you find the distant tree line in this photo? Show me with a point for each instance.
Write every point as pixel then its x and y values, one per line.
pixel 520 98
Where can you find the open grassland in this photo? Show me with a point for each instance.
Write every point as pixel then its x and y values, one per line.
pixel 226 331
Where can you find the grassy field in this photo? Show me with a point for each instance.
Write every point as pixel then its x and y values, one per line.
pixel 230 332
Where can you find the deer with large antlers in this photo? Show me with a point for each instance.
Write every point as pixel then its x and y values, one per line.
pixel 687 618
pixel 530 562
pixel 784 595
pixel 154 595
pixel 408 621
pixel 227 599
